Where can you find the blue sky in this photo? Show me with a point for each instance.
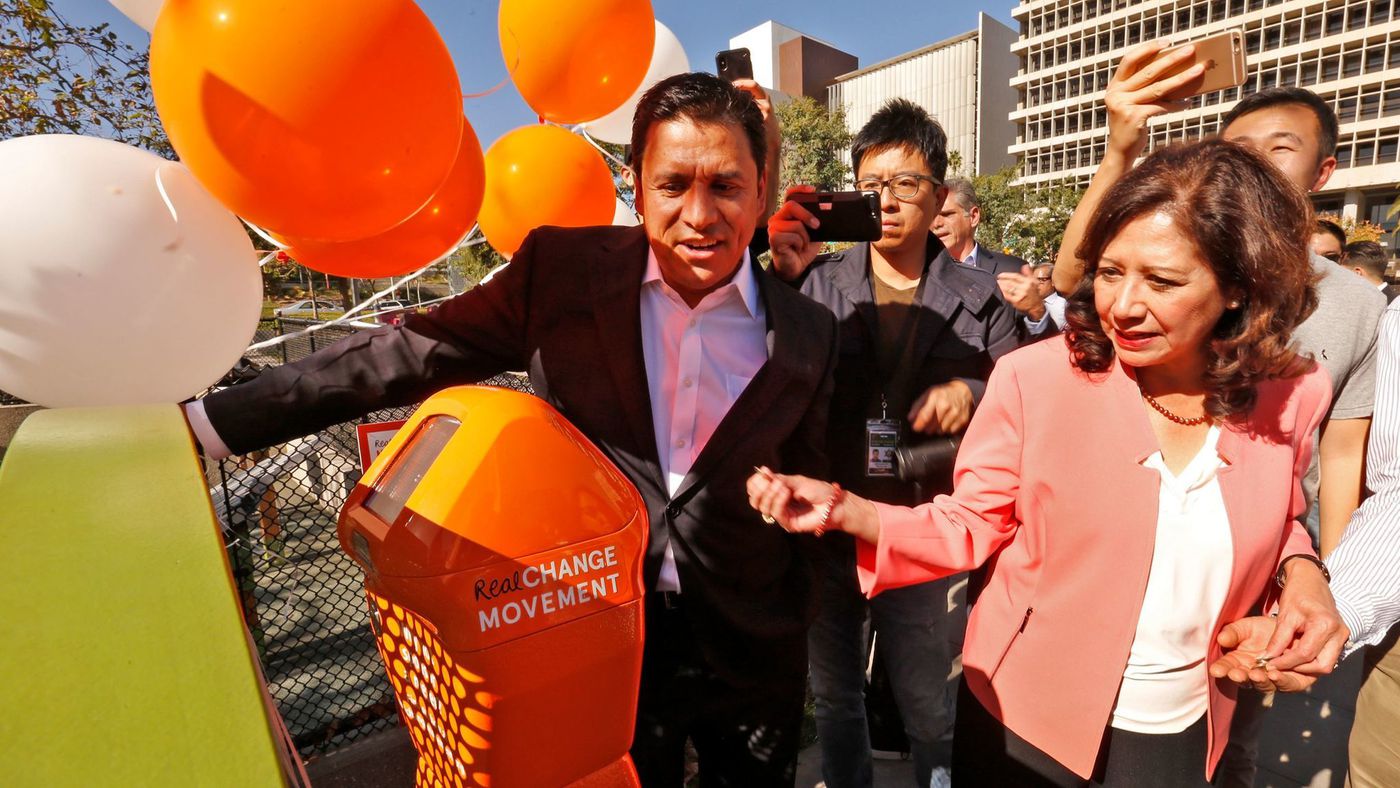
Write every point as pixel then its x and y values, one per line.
pixel 872 32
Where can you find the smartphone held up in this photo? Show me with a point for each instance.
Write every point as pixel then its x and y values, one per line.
pixel 1223 55
pixel 843 216
pixel 734 64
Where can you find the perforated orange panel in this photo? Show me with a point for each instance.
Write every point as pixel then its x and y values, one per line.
pixel 446 708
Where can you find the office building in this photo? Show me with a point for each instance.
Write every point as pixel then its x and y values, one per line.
pixel 1347 51
pixel 791 62
pixel 964 81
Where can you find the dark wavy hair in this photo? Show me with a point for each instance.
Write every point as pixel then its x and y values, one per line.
pixel 1251 225
pixel 902 123
pixel 699 98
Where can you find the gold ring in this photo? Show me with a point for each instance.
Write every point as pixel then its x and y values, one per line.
pixel 768 518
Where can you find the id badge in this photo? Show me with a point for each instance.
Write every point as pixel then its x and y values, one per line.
pixel 881 438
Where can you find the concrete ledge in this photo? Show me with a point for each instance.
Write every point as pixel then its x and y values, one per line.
pixel 10 418
pixel 383 760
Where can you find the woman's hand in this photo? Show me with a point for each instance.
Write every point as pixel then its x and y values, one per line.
pixel 808 506
pixel 1244 661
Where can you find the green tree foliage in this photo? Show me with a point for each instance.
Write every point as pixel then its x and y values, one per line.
pixel 813 140
pixel 475 262
pixel 60 78
pixel 955 164
pixel 1027 222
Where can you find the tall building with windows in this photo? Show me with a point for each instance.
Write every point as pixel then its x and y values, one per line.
pixel 792 62
pixel 964 81
pixel 1347 51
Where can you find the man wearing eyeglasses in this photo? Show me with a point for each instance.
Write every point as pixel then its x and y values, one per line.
pixel 918 335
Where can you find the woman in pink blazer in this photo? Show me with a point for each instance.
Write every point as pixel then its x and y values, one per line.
pixel 1129 490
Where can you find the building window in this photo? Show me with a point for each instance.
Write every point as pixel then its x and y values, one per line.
pixel 1365 153
pixel 1346 110
pixel 1387 149
pixel 1370 106
pixel 1351 64
pixel 1336 21
pixel 1392 102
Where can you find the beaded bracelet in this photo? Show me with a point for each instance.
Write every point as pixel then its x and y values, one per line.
pixel 837 494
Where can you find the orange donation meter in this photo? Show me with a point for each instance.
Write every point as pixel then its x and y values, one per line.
pixel 503 563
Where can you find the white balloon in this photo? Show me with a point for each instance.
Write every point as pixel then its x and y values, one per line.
pixel 122 281
pixel 624 216
pixel 667 59
pixel 142 12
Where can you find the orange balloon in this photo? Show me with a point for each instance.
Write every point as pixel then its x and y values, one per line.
pixel 540 175
pixel 580 60
pixel 425 237
pixel 316 118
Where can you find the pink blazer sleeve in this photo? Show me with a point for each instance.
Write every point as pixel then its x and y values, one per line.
pixel 957 532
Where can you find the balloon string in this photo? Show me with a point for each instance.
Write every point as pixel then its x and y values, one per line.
pixel 510 73
pixel 263 234
pixel 169 206
pixel 582 132
pixel 472 238
pixel 486 93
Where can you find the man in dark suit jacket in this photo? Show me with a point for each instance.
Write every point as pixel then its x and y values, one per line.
pixel 956 227
pixel 616 326
pixel 918 335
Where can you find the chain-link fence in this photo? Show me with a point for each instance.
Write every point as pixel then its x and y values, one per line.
pixel 304 597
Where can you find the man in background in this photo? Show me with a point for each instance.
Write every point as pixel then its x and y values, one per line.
pixel 1055 303
pixel 1328 240
pixel 956 226
pixel 918 334
pixel 1368 260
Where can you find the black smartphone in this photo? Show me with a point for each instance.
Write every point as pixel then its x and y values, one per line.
pixel 732 64
pixel 844 216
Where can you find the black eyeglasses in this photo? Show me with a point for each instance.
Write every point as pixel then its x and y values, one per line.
pixel 904 186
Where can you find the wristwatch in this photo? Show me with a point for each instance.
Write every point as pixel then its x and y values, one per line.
pixel 1281 576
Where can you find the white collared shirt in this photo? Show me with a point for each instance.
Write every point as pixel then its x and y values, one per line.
pixel 1165 685
pixel 971 258
pixel 1366 564
pixel 698 362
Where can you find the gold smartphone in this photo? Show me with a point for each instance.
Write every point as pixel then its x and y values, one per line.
pixel 1223 54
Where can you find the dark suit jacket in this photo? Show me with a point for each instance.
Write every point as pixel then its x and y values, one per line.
pixel 1000 262
pixel 997 262
pixel 567 309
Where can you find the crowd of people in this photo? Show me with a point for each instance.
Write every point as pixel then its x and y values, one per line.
pixel 1160 431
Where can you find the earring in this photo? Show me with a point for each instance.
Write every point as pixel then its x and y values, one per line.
pixel 1233 305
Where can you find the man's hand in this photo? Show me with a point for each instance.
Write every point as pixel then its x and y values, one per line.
pixel 772 136
pixel 771 132
pixel 943 409
pixel 1310 635
pixel 1022 292
pixel 1244 642
pixel 1138 91
pixel 793 249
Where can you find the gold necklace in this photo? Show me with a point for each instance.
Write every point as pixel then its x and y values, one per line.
pixel 1160 408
